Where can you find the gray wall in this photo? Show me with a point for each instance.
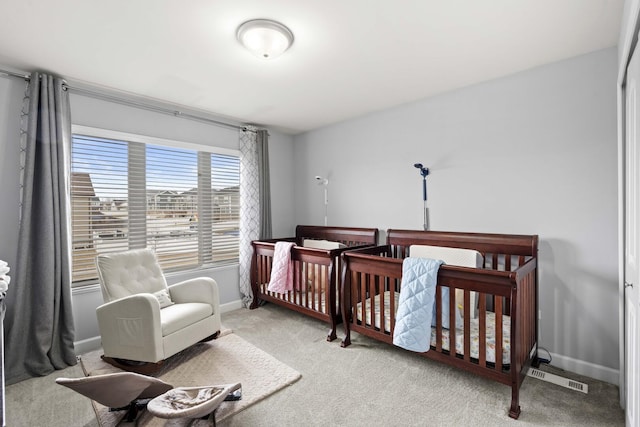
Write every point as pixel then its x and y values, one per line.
pixel 531 153
pixel 93 112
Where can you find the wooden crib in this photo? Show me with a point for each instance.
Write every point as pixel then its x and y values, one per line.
pixel 316 271
pixel 505 288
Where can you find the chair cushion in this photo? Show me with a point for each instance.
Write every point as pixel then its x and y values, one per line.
pixel 129 273
pixel 322 244
pixel 179 316
pixel 453 256
pixel 163 298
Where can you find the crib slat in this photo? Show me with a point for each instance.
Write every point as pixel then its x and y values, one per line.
pixel 267 272
pixel 317 286
pixel 378 290
pixel 452 322
pixel 314 288
pixel 273 294
pixel 439 319
pixel 527 329
pixel 498 325
pixel 363 298
pixel 305 288
pixel 311 296
pixel 302 291
pixel 531 332
pixel 392 306
pixel 371 295
pixel 299 295
pixel 322 290
pixel 523 315
pixel 351 298
pixel 321 286
pixel 298 288
pixel 284 297
pixel 325 291
pixel 259 273
pixel 482 328
pixel 338 272
pixel 507 262
pixel 467 325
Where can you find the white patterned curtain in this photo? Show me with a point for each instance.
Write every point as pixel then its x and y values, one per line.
pixel 262 148
pixel 249 208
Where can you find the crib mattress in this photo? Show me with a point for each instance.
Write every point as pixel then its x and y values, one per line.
pixel 474 329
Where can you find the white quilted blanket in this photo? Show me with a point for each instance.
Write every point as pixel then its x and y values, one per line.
pixel 415 308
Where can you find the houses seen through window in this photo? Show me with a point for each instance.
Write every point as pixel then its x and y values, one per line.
pixel 127 194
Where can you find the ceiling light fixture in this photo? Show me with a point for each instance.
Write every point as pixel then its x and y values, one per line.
pixel 265 38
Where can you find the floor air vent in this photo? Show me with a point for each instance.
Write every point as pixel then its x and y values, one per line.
pixel 558 380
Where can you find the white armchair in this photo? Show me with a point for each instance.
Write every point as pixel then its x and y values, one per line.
pixel 143 319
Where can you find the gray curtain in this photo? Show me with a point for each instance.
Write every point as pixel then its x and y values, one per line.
pixel 39 320
pixel 262 146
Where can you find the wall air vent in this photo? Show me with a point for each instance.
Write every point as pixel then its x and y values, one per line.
pixel 558 380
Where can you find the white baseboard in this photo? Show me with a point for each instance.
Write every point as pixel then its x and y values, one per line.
pixel 87 345
pixel 230 306
pixel 587 369
pixel 94 343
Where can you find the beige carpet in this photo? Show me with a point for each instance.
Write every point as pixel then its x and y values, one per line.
pixel 228 359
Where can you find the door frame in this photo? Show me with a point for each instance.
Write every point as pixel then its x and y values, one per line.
pixel 629 28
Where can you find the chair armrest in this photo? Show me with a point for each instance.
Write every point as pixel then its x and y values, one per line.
pixel 143 305
pixel 200 289
pixel 130 327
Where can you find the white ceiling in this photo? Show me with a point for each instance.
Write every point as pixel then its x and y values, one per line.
pixel 349 58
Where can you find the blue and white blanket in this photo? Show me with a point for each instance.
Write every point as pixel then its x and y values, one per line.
pixel 416 308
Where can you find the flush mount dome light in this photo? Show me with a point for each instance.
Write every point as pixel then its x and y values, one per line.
pixel 265 38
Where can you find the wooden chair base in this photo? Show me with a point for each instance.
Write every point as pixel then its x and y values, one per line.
pixel 144 368
pixel 211 337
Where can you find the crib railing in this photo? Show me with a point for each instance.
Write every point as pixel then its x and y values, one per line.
pixel 349 236
pixel 312 274
pixel 371 274
pixel 316 272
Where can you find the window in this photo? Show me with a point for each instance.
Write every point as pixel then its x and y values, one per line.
pixel 129 191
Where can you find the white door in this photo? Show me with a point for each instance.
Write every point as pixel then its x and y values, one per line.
pixel 632 244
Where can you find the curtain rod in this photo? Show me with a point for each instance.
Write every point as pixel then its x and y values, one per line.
pixel 158 109
pixel 124 101
pixel 13 74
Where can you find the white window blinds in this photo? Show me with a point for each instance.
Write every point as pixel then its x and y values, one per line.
pixel 182 202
